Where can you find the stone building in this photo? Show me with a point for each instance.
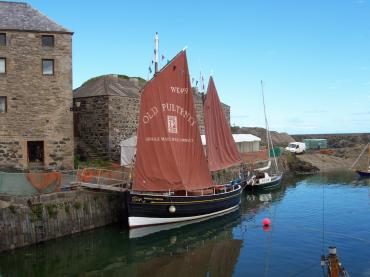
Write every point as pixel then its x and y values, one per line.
pixel 36 124
pixel 198 102
pixel 106 112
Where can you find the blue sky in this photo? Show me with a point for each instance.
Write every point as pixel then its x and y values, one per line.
pixel 313 56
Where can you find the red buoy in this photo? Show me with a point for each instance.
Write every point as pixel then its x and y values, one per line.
pixel 266 222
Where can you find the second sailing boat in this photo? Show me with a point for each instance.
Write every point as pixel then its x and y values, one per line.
pixel 262 179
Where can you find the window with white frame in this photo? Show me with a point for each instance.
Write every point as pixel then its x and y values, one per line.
pixel 48 67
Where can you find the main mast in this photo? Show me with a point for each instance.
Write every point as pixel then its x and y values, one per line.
pixel 268 135
pixel 156 40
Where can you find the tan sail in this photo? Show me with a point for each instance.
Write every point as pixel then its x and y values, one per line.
pixel 221 148
pixel 169 149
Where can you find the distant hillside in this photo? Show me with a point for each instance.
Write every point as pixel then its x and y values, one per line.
pixel 278 139
pixel 141 81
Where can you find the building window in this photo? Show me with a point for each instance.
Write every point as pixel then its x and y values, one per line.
pixel 47 41
pixel 2 39
pixel 48 67
pixel 2 104
pixel 2 65
pixel 35 151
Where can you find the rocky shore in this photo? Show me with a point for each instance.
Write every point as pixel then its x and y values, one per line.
pixel 343 150
pixel 321 161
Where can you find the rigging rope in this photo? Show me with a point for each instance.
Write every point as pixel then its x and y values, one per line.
pixel 270 144
pixel 267 260
pixel 323 219
pixel 363 151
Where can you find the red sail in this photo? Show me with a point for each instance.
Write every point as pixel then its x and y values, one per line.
pixel 221 148
pixel 169 149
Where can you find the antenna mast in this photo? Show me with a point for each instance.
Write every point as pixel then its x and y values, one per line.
pixel 156 52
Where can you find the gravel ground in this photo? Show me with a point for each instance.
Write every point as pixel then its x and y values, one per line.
pixel 340 158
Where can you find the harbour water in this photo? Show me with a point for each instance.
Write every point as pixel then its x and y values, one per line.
pixel 308 214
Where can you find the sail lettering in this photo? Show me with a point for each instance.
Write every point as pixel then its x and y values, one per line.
pixel 179 90
pixel 150 114
pixel 169 107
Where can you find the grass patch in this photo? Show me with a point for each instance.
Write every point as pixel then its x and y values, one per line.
pixel 93 163
pixel 36 212
pixel 67 208
pixel 52 210
pixel 77 205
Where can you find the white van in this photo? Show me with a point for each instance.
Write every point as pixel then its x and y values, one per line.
pixel 296 147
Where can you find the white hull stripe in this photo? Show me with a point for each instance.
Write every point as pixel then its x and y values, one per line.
pixel 136 221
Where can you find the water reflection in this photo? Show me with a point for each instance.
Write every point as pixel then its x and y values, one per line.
pixel 338 177
pixel 221 246
pixel 196 249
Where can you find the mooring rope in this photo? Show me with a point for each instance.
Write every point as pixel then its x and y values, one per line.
pixel 267 260
pixel 323 219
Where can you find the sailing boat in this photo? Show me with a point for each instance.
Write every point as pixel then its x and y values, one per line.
pixel 263 180
pixel 365 172
pixel 172 182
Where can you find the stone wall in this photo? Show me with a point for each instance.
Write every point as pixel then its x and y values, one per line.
pixel 10 153
pixel 37 105
pixel 123 122
pixel 198 103
pixel 25 221
pixel 92 126
pixel 102 122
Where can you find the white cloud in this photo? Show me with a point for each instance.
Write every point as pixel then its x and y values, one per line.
pixel 315 111
pixel 360 2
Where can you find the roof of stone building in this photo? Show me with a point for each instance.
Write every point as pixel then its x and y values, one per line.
pixel 110 85
pixel 22 17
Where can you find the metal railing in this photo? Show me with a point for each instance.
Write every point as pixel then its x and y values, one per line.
pixel 103 177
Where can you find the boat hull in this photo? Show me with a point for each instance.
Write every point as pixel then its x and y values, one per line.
pixel 275 183
pixel 363 174
pixel 150 209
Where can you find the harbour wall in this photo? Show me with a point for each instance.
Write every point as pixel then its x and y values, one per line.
pixel 29 220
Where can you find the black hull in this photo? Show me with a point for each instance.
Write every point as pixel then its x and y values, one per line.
pixel 363 173
pixel 150 209
pixel 274 184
